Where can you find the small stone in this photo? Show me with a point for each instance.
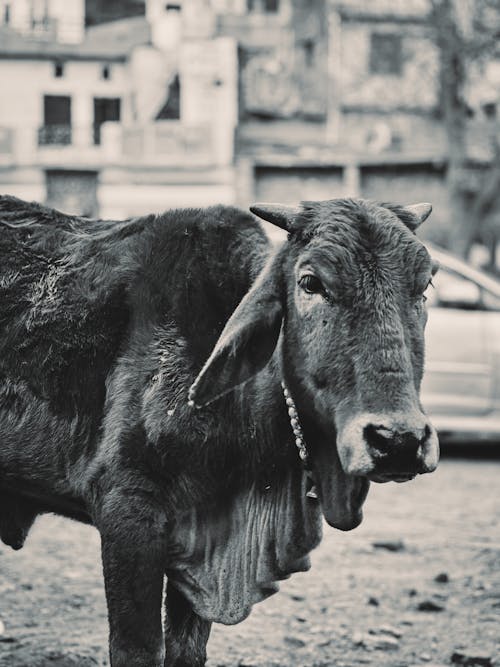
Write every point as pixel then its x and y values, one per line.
pixel 385 643
pixel 386 630
pixel 295 642
pixel 359 639
pixel 471 659
pixel 301 619
pixel 390 545
pixel 327 642
pixel 7 639
pixel 442 578
pixel 381 642
pixel 2 627
pixel 412 592
pixel 297 598
pixel 373 601
pixel 425 656
pixel 429 605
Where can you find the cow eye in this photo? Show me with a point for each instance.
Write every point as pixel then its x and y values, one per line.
pixel 311 284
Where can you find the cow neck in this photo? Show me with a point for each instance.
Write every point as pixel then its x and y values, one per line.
pixel 299 437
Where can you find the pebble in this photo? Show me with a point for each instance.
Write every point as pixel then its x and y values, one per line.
pixel 442 578
pixel 387 630
pixel 429 605
pixel 390 545
pixel 471 659
pixel 2 627
pixel 378 642
pixel 295 642
pixel 373 601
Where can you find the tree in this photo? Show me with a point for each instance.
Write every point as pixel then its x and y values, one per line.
pixel 466 32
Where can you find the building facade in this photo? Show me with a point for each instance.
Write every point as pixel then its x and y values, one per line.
pixel 342 97
pixel 203 101
pixel 98 121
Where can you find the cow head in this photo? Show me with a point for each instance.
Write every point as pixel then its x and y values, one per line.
pixel 347 292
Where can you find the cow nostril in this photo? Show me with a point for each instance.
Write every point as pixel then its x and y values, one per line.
pixel 384 441
pixel 379 438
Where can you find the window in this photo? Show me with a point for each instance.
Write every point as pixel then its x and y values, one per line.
pixel 58 70
pixel 56 129
pixel 386 54
pixel 453 290
pixel 490 110
pixel 106 72
pixel 309 48
pixel 271 5
pixel 105 109
pixel 265 6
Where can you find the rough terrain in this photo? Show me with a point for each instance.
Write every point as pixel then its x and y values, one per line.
pixel 417 584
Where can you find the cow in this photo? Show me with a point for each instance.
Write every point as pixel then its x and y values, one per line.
pixel 204 398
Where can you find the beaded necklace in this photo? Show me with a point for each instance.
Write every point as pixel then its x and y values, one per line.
pixel 299 438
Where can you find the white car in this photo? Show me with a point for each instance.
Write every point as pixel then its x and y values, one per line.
pixel 461 386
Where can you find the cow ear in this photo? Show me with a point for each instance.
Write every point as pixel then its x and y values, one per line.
pixel 246 343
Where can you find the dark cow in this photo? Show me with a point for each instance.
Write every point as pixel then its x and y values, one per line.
pixel 315 349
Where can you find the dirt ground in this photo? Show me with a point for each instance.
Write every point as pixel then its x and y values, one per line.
pixel 429 593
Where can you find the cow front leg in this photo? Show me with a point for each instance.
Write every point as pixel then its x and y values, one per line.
pixel 186 634
pixel 133 555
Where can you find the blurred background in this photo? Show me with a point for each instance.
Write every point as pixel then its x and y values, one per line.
pixel 122 107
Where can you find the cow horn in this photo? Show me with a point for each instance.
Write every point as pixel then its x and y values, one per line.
pixel 277 214
pixel 420 211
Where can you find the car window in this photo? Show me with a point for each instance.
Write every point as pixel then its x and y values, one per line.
pixel 490 301
pixel 451 290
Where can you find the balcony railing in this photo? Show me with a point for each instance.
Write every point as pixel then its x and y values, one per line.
pixel 54 135
pixel 164 143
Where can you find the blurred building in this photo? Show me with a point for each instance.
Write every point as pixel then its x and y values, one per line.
pixel 199 101
pixel 125 117
pixel 342 97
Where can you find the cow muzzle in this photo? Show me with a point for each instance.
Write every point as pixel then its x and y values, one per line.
pixel 387 448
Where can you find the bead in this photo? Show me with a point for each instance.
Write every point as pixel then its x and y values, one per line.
pixel 296 428
pixel 312 493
